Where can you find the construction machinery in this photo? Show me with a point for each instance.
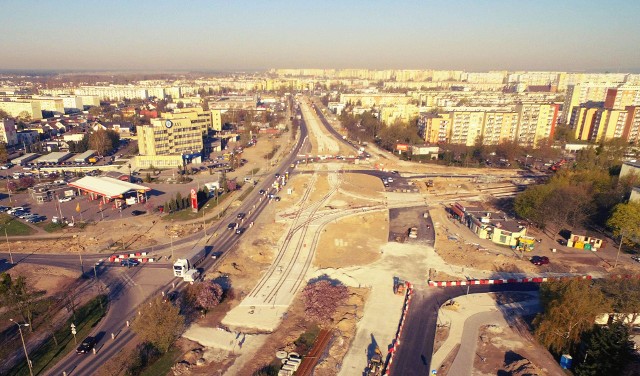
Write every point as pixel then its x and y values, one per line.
pixel 399 286
pixel 375 365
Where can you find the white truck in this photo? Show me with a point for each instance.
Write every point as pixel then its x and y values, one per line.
pixel 182 266
pixel 191 275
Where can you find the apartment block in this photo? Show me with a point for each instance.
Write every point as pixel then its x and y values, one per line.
pixel 499 127
pixel 8 133
pixel 621 97
pixel 583 93
pixel 22 109
pixel 400 112
pixel 375 100
pixel 466 127
pixel 435 128
pixel 631 131
pixel 114 92
pixel 536 122
pixel 216 120
pixel 592 122
pixel 52 104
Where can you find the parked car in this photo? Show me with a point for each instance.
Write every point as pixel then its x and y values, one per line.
pixel 129 262
pixel 36 219
pixel 136 213
pixel 4 208
pixel 86 346
pixel 539 260
pixel 65 199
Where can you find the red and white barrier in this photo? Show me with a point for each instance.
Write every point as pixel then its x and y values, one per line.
pixel 396 341
pixel 502 281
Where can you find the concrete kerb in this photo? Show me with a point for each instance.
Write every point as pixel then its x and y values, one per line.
pixel 396 340
pixel 503 281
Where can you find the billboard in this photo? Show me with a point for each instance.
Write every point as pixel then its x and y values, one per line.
pixel 194 200
pixel 402 147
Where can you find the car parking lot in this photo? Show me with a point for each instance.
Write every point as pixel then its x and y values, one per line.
pixel 402 220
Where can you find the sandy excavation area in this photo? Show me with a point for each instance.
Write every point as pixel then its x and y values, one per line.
pixel 352 241
pixel 50 279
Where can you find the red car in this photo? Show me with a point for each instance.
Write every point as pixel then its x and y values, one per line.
pixel 539 260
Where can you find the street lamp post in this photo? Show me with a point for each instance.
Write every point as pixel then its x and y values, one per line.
pixel 24 346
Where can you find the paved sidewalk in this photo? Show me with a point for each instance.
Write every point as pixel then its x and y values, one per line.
pixel 462 333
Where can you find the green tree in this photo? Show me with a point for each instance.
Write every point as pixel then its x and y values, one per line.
pixel 624 295
pixel 4 114
pixel 625 222
pixel 179 201
pixel 159 323
pixel 4 155
pixel 18 297
pixel 569 309
pixel 607 350
pixel 100 142
pixel 95 111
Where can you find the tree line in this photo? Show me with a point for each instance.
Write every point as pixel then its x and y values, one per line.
pixel 567 322
pixel 583 193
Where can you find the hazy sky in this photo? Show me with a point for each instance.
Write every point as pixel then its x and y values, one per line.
pixel 571 35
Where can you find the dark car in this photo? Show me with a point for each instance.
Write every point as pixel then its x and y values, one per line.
pixel 86 346
pixel 262 191
pixel 232 225
pixel 129 262
pixel 539 260
pixel 136 213
pixel 239 230
pixel 241 215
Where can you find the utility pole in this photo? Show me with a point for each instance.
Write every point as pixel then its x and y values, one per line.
pixel 8 245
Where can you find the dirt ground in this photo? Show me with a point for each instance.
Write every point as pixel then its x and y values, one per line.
pixel 283 338
pixel 352 241
pixel 45 278
pixel 501 350
pixel 362 184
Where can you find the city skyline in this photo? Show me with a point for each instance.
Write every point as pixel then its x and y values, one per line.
pixel 464 35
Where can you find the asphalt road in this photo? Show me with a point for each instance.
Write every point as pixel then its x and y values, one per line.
pixel 129 288
pixel 413 356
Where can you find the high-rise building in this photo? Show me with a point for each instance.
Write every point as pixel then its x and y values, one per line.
pixel 536 122
pixel 196 115
pixel 169 137
pixel 466 127
pixel 435 128
pixel 499 127
pixel 621 97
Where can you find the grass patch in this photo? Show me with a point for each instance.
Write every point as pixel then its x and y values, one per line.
pixel 254 171
pixel 162 366
pixel 188 214
pixel 245 193
pixel 51 227
pixel 49 354
pixel 272 153
pixel 306 339
pixel 13 226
